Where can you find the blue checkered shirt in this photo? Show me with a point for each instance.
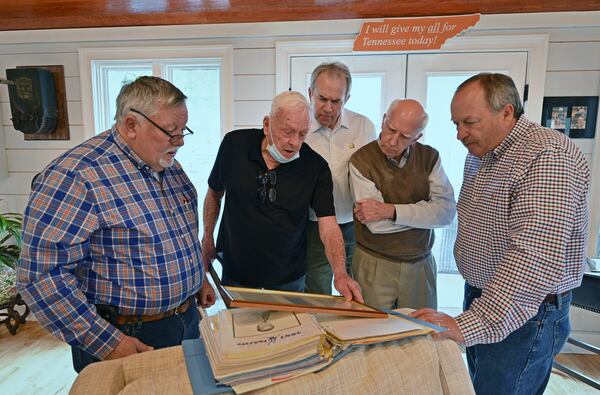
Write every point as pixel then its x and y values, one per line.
pixel 99 228
pixel 522 228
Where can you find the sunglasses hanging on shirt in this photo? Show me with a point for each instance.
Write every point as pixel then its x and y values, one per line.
pixel 266 186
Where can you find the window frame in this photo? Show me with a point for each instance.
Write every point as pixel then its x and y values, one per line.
pixel 153 55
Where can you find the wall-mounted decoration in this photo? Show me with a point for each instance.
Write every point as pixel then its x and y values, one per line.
pixel 32 100
pixel 574 116
pixel 38 102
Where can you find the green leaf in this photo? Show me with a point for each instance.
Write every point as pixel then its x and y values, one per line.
pixel 10 238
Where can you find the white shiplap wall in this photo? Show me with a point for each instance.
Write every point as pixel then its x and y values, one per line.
pixel 573 69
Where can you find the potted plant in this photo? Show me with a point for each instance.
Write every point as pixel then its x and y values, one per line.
pixel 10 250
pixel 10 238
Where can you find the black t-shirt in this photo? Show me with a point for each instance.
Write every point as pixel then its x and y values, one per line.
pixel 264 244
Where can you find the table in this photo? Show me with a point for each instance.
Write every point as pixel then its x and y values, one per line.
pixel 412 365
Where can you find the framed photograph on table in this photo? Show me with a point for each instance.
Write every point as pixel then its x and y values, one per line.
pixel 574 116
pixel 297 301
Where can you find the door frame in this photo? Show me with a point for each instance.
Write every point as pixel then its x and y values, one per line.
pixel 536 46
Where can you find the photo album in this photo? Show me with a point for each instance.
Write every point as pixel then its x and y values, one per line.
pixel 248 348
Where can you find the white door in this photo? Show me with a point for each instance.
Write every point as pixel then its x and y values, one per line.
pixel 432 79
pixel 376 80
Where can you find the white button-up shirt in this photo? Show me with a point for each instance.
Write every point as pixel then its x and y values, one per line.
pixel 336 146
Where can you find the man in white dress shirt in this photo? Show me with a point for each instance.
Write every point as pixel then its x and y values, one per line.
pixel 335 133
pixel 401 194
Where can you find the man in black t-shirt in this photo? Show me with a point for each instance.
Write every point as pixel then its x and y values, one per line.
pixel 270 179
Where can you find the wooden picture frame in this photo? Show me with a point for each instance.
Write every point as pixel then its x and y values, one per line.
pixel 574 116
pixel 290 301
pixel 297 301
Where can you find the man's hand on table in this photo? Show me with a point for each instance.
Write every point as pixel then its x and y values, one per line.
pixel 206 295
pixel 443 320
pixel 128 346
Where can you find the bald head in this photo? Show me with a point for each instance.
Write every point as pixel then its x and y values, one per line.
pixel 409 110
pixel 401 127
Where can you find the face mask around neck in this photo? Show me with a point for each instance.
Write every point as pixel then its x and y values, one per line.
pixel 278 156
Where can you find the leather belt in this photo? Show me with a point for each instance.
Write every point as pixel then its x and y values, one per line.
pixel 551 298
pixel 123 319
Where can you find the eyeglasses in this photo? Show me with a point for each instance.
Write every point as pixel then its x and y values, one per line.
pixel 266 186
pixel 173 138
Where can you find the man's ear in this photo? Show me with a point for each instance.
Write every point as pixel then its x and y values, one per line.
pixel 309 93
pixel 508 111
pixel 266 124
pixel 130 122
pixel 383 121
pixel 348 98
pixel 508 114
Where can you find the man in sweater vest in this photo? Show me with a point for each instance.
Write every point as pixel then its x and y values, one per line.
pixel 401 193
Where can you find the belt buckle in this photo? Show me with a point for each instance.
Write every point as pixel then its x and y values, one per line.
pixel 182 308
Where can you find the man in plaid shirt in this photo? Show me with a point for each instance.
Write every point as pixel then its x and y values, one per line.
pixel 111 259
pixel 523 216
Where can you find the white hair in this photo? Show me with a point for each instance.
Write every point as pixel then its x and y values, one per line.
pixel 288 100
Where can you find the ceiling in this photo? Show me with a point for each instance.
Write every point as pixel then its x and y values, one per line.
pixel 61 14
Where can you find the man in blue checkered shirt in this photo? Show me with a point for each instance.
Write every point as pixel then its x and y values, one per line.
pixel 111 260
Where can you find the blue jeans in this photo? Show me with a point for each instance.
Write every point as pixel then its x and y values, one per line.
pixel 296 285
pixel 163 333
pixel 521 363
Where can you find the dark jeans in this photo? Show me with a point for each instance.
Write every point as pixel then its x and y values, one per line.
pixel 521 363
pixel 296 285
pixel 163 333
pixel 318 270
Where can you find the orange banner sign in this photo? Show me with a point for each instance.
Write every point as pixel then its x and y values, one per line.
pixel 403 34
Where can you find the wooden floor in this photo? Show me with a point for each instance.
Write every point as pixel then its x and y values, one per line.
pixel 34 362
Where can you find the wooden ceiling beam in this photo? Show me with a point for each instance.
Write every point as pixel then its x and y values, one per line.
pixel 62 14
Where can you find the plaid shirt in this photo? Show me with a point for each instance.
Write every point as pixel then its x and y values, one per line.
pixel 522 228
pixel 100 229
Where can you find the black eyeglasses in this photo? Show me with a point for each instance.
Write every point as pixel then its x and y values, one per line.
pixel 173 138
pixel 266 186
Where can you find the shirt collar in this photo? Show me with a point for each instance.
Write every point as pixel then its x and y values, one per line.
pixel 255 149
pixel 403 158
pixel 517 133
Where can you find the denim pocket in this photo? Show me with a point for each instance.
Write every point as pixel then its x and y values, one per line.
pixel 562 327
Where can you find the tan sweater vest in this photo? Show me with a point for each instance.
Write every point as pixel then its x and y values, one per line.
pixel 405 185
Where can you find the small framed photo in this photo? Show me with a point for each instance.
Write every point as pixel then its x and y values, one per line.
pixel 574 116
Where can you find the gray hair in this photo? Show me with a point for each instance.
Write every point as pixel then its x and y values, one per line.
pixel 287 100
pixel 336 68
pixel 146 94
pixel 499 90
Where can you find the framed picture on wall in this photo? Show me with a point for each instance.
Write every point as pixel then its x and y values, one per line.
pixel 574 116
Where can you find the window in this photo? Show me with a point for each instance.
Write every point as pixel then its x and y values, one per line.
pixel 203 75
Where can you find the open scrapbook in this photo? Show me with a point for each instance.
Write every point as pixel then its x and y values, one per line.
pixel 249 348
